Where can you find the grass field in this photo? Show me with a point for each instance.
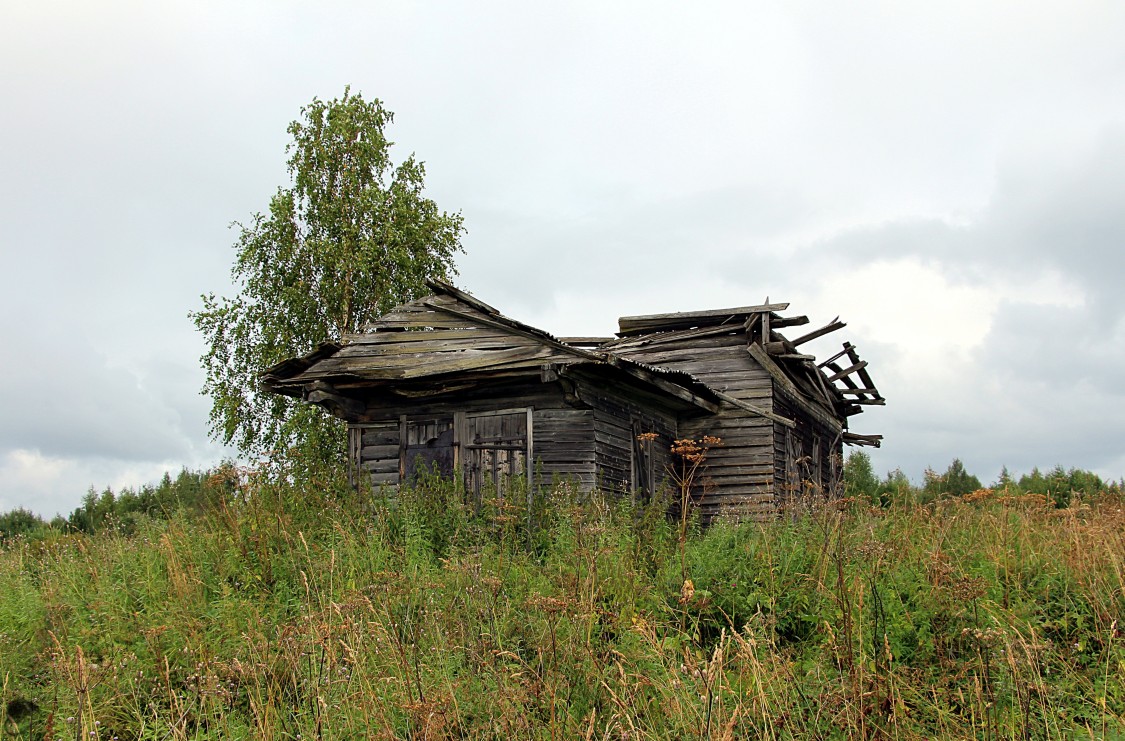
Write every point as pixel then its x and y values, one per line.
pixel 301 611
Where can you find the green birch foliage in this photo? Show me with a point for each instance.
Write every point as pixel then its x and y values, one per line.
pixel 352 237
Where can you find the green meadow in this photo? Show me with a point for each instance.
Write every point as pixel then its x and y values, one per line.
pixel 268 605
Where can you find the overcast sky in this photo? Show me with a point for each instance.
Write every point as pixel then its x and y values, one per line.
pixel 948 178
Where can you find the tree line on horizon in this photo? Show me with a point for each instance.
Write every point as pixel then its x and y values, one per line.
pixel 204 490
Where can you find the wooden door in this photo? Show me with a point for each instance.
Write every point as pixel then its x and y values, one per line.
pixel 427 445
pixel 496 448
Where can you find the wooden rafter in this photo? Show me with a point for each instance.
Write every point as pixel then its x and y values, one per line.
pixel 847 371
pixel 832 326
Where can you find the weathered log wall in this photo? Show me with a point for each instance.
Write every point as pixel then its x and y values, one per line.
pixel 737 479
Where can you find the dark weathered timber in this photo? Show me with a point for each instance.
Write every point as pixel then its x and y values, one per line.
pixel 755 410
pixel 784 383
pixel 630 325
pixel 449 381
pixel 871 440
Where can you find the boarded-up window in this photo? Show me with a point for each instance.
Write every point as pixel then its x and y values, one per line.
pixel 427 445
pixel 496 449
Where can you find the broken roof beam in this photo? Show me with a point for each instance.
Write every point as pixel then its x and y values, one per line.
pixel 851 438
pixel 858 391
pixel 787 386
pixel 847 371
pixel 756 410
pixel 832 326
pixel 864 376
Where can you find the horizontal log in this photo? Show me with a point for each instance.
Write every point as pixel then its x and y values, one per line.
pixel 379 452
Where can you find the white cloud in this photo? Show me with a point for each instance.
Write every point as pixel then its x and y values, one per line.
pixel 50 485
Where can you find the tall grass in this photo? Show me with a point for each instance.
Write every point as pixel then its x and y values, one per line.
pixel 306 611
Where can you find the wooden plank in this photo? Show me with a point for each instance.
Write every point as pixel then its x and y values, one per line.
pixel 423 335
pixel 755 409
pixel 847 371
pixel 461 296
pixel 527 331
pixel 436 344
pixel 864 376
pixel 681 335
pixel 789 321
pixel 631 325
pixel 384 479
pixel 379 452
pixel 707 314
pixel 832 326
pixel 852 438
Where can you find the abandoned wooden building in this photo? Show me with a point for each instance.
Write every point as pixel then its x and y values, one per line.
pixel 448 381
